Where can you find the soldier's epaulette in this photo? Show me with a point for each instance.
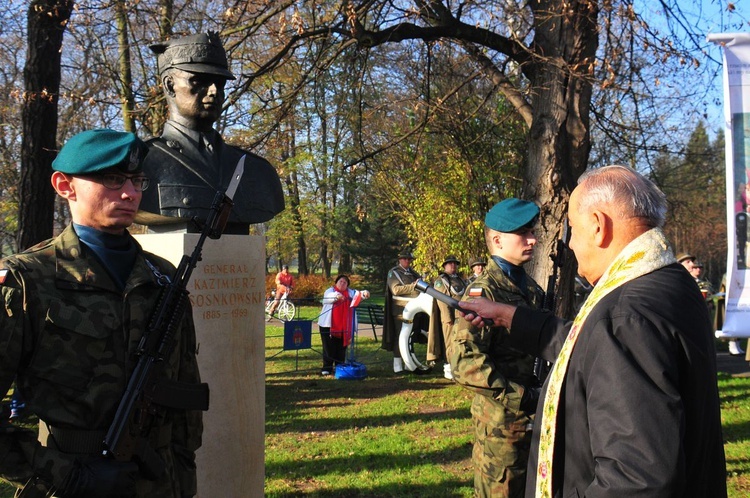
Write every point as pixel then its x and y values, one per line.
pixel 475 292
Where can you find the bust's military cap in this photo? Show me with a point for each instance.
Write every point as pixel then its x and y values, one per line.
pixel 685 256
pixel 405 255
pixel 96 150
pixel 477 262
pixel 450 259
pixel 698 264
pixel 201 53
pixel 511 214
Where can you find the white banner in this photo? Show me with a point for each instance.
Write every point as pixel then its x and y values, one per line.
pixel 737 135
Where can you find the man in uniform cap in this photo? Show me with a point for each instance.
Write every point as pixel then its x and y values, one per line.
pixel 687 260
pixel 477 267
pixel 696 269
pixel 76 307
pixel 190 162
pixel 400 289
pixel 449 282
pixel 502 378
pixel 704 285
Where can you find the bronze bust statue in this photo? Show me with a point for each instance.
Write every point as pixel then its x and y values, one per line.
pixel 190 161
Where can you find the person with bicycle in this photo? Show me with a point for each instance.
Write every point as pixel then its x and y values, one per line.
pixel 284 284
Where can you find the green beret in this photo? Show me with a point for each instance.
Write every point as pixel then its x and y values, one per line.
pixel 202 54
pixel 450 259
pixel 683 256
pixel 511 214
pixel 96 150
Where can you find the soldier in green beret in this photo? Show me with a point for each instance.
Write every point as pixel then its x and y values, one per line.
pixel 190 161
pixel 450 282
pixel 75 308
pixel 502 378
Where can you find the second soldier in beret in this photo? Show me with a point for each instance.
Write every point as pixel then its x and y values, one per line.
pixel 190 161
pixel 76 307
pixel 502 378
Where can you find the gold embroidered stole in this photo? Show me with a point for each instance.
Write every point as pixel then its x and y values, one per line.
pixel 648 252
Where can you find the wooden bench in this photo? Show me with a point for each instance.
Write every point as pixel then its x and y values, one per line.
pixel 374 314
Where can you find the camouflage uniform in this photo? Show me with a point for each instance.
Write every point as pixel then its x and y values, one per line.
pixel 499 375
pixel 69 333
pixel 454 286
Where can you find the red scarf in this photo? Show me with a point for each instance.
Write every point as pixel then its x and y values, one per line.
pixel 341 319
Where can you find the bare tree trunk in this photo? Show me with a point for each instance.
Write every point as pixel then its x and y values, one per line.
pixel 46 25
pixel 126 75
pixel 559 138
pixel 157 109
pixel 299 229
pixel 345 263
pixel 325 261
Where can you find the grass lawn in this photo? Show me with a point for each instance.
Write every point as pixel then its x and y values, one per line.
pixel 392 435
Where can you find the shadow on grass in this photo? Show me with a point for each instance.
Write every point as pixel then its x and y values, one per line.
pixel 446 489
pixel 372 462
pixel 294 398
pixel 299 472
pixel 337 424
pixel 736 432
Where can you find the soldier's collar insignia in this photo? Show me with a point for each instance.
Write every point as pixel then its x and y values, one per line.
pixel 3 276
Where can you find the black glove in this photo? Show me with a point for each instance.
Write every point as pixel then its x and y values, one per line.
pixel 530 399
pixel 95 477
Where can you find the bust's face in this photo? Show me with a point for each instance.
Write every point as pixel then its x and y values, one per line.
pixel 195 98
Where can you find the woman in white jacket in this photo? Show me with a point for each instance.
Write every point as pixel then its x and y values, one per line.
pixel 338 321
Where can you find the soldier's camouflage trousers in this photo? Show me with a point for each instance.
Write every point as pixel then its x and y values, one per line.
pixel 500 456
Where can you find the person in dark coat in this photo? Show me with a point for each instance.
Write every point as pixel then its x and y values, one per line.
pixel 631 407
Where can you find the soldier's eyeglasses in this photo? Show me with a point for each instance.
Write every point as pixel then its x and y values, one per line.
pixel 114 181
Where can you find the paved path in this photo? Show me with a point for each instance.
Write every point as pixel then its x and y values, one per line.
pixel 735 365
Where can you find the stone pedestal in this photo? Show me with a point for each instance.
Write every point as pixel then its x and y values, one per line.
pixel 227 292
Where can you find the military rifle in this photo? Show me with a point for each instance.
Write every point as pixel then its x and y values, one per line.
pixel 127 437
